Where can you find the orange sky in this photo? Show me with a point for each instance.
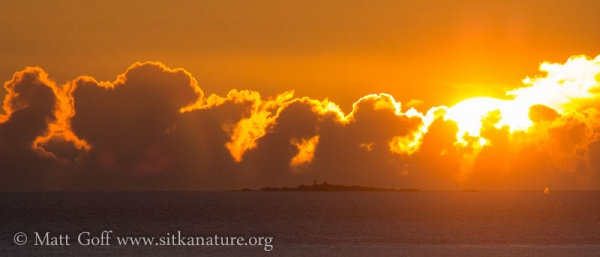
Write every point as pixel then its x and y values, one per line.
pixel 440 52
pixel 230 94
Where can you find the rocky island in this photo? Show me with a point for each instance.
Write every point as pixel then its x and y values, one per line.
pixel 333 188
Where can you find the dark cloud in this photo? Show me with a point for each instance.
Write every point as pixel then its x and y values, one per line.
pixel 539 113
pixel 437 164
pixel 375 123
pixel 30 106
pixel 154 129
pixel 269 163
pixel 130 124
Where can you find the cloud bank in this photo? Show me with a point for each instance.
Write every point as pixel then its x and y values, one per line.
pixel 153 128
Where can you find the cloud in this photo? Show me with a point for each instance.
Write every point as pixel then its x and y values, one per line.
pixel 375 121
pixel 306 150
pixel 437 163
pixel 550 145
pixel 541 113
pixel 30 108
pixel 153 128
pixel 126 122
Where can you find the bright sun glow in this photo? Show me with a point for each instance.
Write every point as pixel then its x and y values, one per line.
pixel 565 86
pixel 469 114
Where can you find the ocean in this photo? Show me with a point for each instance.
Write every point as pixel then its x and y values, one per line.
pixel 438 223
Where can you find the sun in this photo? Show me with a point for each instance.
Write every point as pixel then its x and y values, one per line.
pixel 469 114
pixel 565 87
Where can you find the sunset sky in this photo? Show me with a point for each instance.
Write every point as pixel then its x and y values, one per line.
pixel 213 95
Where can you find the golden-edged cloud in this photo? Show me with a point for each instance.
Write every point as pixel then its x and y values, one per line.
pixel 306 150
pixel 154 128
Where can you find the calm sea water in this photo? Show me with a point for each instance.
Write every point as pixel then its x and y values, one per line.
pixel 312 223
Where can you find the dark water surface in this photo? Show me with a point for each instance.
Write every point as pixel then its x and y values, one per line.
pixel 312 223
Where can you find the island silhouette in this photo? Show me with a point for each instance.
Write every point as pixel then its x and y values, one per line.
pixel 325 187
